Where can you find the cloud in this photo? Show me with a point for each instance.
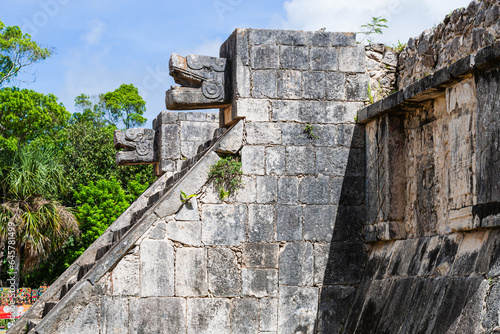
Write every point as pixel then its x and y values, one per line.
pixel 94 35
pixel 407 18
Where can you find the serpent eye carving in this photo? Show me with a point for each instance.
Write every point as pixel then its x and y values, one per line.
pixel 212 89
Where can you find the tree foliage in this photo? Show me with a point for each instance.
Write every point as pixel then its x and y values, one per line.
pixel 26 115
pixel 374 27
pixel 124 105
pixel 17 51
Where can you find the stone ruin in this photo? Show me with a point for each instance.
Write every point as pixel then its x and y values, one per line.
pixel 385 221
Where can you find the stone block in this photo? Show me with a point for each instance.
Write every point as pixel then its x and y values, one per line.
pixel 126 277
pixel 357 87
pixel 262 36
pixel 318 222
pixel 294 134
pixel 224 224
pixel 259 282
pixel 232 140
pixel 300 160
pixel 289 84
pixel 314 190
pixel 275 160
pixel 313 85
pixel 349 223
pixel 157 268
pixel 245 316
pixel 321 253
pixel 264 84
pixel 343 39
pixel 334 306
pixel 264 56
pixel 335 87
pixel 196 116
pixel 352 59
pixel 212 117
pixel 286 110
pixel 297 311
pixel 268 321
pixel 208 315
pixel 248 193
pixel 259 255
pixel 294 57
pixel 188 211
pixel 191 272
pixel 336 184
pixel 261 223
pixel 169 141
pixel 253 160
pixel 291 37
pixel 324 59
pixel 267 187
pixel 288 190
pixel 158 232
pixel 345 263
pixel 199 132
pixel 332 161
pixel 296 263
pixel 224 279
pixel 115 315
pixel 288 221
pixel 189 148
pixel 254 110
pixel 263 133
pixel 188 233
pixel 157 315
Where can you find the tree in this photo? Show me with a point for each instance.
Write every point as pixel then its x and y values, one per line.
pixel 41 224
pixel 17 51
pixel 26 115
pixel 124 105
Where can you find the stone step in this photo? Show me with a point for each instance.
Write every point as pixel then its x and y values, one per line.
pixel 48 307
pixel 31 325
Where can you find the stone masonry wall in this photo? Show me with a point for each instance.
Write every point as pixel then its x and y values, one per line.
pixel 381 65
pixel 184 136
pixel 463 32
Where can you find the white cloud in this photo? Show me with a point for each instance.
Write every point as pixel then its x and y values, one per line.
pixel 95 33
pixel 407 18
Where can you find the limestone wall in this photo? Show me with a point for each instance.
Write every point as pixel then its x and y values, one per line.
pixel 184 135
pixel 381 66
pixel 463 32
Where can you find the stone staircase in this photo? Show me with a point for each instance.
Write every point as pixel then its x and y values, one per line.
pixel 115 232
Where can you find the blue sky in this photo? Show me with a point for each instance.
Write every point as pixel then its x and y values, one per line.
pixel 101 44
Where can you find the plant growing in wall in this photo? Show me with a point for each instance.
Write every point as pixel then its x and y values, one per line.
pixel 226 175
pixel 185 198
pixel 374 27
pixel 309 130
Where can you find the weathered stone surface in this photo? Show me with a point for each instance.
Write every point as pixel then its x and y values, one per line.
pixel 261 223
pixel 253 160
pixel 300 160
pixel 324 59
pixel 288 189
pixel 313 85
pixel 245 316
pixel 137 145
pixel 246 194
pixel 296 263
pixel 314 190
pixel 86 321
pixel 294 134
pixel 288 223
pixel 263 133
pixel 232 141
pixel 264 57
pixel 157 269
pixel 334 306
pixel 345 263
pixel 268 321
pixel 357 87
pixel 191 272
pixel 264 84
pixel 294 57
pixel 318 222
pixel 275 160
pixel 259 282
pixel 188 233
pixel 208 315
pixel 189 211
pixel 335 86
pixel 258 255
pixel 297 310
pixel 126 277
pixel 262 36
pixel 224 224
pixel 157 315
pixel 289 84
pixel 115 315
pixel 254 110
pixel 158 232
pixel 224 278
pixel 267 187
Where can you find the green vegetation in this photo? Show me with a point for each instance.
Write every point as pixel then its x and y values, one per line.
pixel 227 176
pixel 309 130
pixel 398 47
pixel 60 186
pixel 185 198
pixel 374 27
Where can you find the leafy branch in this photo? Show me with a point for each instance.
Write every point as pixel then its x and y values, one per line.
pixel 227 176
pixel 374 27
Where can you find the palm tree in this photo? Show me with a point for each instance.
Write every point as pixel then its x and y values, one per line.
pixel 32 222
